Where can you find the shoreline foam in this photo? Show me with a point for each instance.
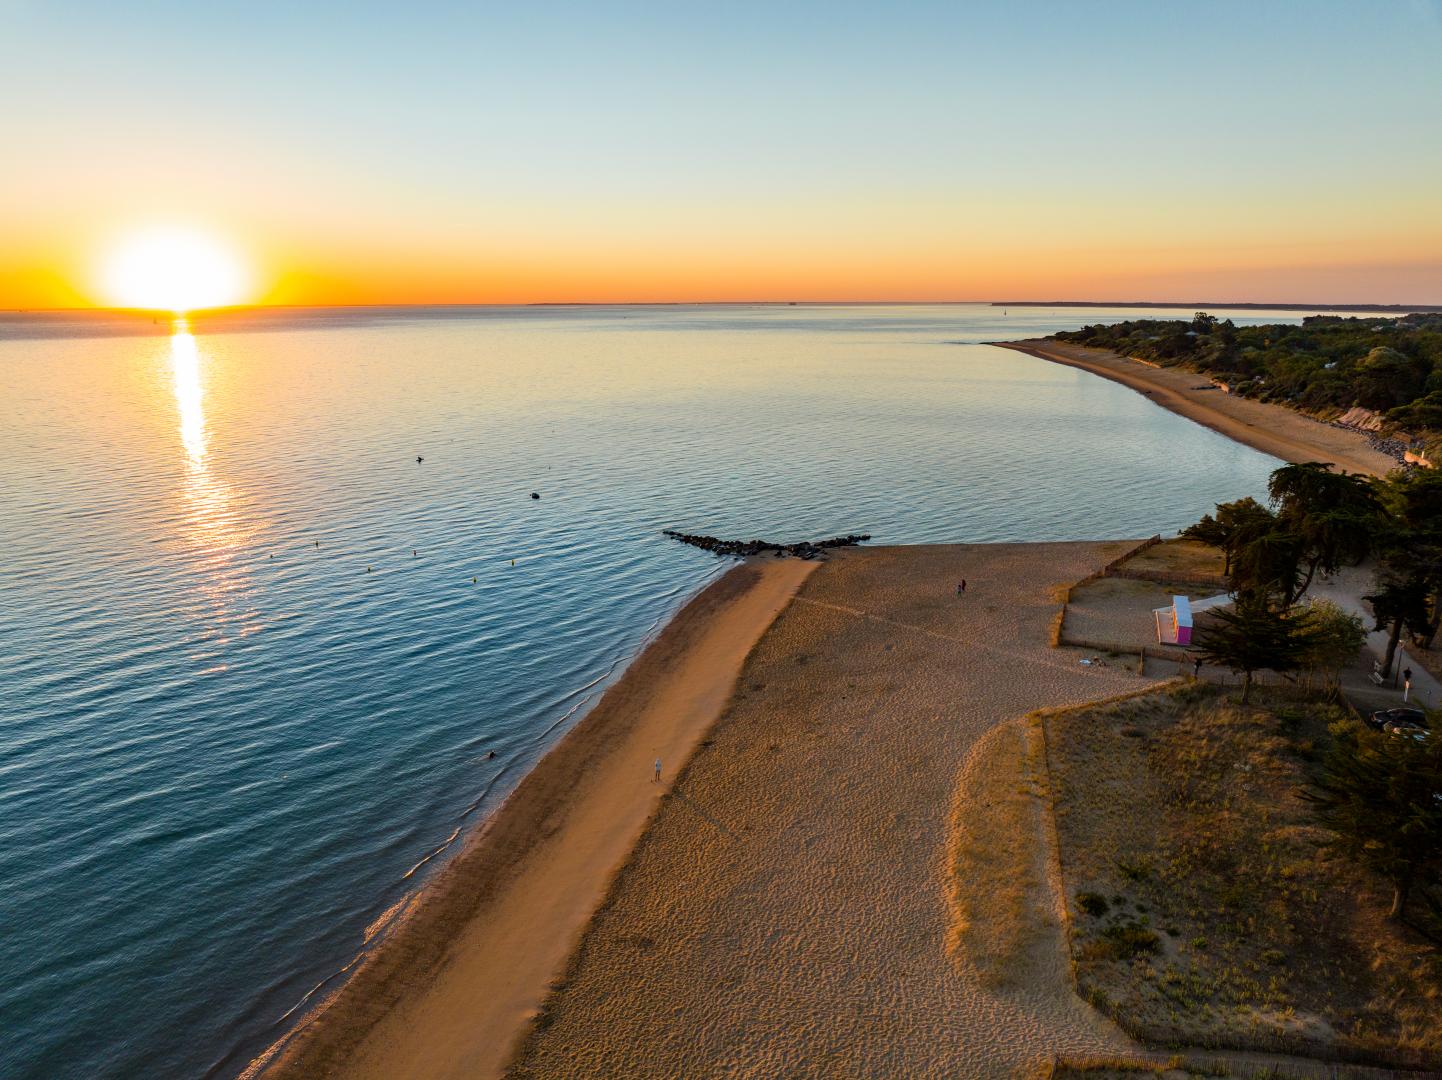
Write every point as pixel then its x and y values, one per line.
pixel 1273 429
pixel 499 921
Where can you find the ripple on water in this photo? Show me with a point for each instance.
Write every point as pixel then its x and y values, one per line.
pixel 223 747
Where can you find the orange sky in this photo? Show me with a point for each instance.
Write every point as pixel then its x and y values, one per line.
pixel 350 158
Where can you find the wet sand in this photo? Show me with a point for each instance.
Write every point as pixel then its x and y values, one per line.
pixel 1272 429
pixel 448 992
pixel 786 911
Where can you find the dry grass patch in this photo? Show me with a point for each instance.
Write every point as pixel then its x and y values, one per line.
pixel 996 895
pixel 1204 909
pixel 1179 556
pixel 1128 1070
pixel 1178 1068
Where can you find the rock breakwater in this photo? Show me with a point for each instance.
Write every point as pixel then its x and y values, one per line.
pixel 743 548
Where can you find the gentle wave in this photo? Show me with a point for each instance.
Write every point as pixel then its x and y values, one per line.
pixel 258 655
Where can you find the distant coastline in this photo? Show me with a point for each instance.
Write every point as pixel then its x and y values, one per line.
pixel 1211 305
pixel 1273 429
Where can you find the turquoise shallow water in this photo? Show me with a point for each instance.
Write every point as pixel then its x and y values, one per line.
pixel 250 683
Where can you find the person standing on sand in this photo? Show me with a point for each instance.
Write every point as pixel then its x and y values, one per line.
pixel 656 778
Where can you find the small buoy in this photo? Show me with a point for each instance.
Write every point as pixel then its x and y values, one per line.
pixel 535 495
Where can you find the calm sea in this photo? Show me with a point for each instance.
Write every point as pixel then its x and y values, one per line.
pixel 255 655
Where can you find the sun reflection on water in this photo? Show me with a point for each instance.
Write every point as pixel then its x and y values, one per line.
pixel 213 525
pixel 209 518
pixel 185 364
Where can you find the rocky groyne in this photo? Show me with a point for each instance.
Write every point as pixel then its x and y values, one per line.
pixel 743 548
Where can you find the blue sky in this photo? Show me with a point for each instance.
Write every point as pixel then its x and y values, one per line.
pixel 1156 137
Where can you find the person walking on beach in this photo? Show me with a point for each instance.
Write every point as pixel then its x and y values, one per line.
pixel 657 777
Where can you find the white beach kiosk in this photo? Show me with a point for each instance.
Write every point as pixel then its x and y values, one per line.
pixel 1174 624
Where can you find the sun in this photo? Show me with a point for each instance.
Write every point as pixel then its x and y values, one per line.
pixel 173 269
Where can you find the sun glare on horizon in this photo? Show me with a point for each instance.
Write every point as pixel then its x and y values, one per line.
pixel 173 269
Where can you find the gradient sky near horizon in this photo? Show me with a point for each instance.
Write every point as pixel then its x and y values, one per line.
pixel 1281 151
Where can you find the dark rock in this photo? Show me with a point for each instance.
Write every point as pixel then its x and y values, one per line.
pixel 746 548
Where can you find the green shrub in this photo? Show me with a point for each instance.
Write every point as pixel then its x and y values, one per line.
pixel 1123 941
pixel 1092 903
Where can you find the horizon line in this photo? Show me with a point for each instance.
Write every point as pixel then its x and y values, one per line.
pixel 1198 304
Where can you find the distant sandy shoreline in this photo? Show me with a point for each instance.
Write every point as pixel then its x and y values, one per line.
pixel 1272 429
pixel 474 954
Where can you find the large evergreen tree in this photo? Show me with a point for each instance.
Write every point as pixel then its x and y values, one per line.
pixel 1382 797
pixel 1332 519
pixel 1257 636
pixel 1399 602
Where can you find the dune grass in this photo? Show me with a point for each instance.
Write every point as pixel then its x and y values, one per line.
pixel 1204 908
pixel 994 873
pixel 1178 556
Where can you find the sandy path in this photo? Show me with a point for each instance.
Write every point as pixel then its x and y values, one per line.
pixel 785 912
pixel 1272 429
pixel 447 995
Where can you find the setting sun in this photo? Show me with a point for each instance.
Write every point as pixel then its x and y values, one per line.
pixel 173 269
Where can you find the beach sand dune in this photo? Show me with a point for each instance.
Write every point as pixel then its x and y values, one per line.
pixel 448 992
pixel 785 912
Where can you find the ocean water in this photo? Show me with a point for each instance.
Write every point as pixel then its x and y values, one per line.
pixel 255 655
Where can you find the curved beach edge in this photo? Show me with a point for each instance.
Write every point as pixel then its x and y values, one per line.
pixel 1273 429
pixel 473 955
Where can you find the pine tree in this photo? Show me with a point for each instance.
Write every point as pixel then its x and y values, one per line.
pixel 1382 797
pixel 1256 636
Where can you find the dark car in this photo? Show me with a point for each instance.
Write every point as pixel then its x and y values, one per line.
pixel 1406 729
pixel 1380 720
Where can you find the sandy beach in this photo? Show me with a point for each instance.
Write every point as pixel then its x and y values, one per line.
pixel 1272 429
pixel 786 912
pixel 778 904
pixel 447 993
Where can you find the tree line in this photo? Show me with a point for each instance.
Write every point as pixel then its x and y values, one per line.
pixel 1317 522
pixel 1381 795
pixel 1390 365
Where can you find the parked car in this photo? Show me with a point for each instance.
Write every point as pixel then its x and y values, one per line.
pixel 1380 720
pixel 1406 729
